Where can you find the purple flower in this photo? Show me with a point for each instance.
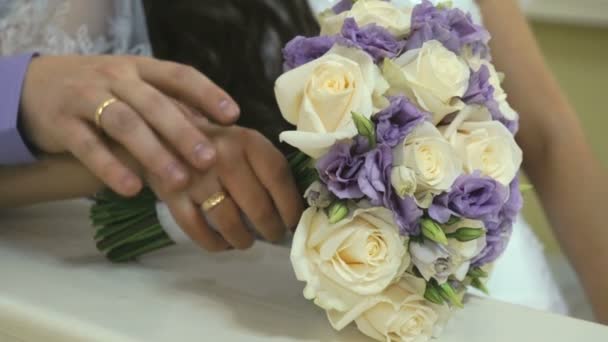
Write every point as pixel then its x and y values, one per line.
pixel 397 120
pixel 375 183
pixel 374 179
pixel 452 27
pixel 302 50
pixel 342 6
pixel 373 39
pixel 496 243
pixel 340 168
pixel 473 197
pixel 514 203
pixel 406 212
pixel 480 90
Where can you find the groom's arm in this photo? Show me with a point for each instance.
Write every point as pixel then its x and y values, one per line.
pixel 572 184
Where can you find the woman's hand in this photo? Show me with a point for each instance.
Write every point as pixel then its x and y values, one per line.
pixel 61 95
pixel 257 181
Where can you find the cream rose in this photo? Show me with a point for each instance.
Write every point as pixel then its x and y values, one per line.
pixel 320 96
pixel 432 159
pixel 403 180
pixel 358 256
pixel 382 13
pixel 432 75
pixel 488 147
pixel 398 314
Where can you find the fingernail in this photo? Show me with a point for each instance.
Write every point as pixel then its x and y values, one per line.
pixel 204 153
pixel 176 173
pixel 229 108
pixel 130 183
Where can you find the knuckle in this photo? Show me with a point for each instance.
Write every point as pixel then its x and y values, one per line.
pixel 115 70
pixel 182 72
pixel 86 144
pixel 120 120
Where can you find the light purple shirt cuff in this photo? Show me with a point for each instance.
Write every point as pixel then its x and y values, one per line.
pixel 13 149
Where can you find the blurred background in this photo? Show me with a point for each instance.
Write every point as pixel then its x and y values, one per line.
pixel 573 35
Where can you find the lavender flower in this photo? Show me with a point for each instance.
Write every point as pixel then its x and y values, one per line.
pixel 373 39
pixel 302 50
pixel 497 240
pixel 340 168
pixel 406 212
pixel 480 90
pixel 374 181
pixel 452 27
pixel 398 120
pixel 473 197
pixel 342 6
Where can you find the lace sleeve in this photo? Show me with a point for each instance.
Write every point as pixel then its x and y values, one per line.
pixel 59 27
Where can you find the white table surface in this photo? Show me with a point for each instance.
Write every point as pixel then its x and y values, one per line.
pixel 54 286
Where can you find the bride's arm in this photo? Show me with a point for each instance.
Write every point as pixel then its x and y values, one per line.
pixel 572 184
pixel 50 179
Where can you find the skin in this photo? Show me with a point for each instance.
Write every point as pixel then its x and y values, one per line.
pixel 570 181
pixel 145 120
pixel 253 173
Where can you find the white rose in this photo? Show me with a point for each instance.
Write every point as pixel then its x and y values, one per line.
pixel 403 180
pixel 433 160
pixel 398 314
pixel 319 97
pixel 475 63
pixel 382 13
pixel 432 75
pixel 358 256
pixel 488 147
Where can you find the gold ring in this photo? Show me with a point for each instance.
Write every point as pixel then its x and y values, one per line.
pixel 101 108
pixel 213 201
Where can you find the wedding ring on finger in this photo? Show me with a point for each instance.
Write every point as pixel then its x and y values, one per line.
pixel 100 110
pixel 213 201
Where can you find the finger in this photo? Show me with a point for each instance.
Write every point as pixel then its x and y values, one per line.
pixel 189 217
pixel 190 86
pixel 161 113
pixel 251 196
pixel 90 149
pixel 274 173
pixel 123 124
pixel 225 216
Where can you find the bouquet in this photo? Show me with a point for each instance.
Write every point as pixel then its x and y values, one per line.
pixel 405 155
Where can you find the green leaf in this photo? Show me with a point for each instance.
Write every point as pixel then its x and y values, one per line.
pixel 448 293
pixel 432 294
pixel 477 272
pixel 466 234
pixel 337 211
pixel 365 127
pixel 453 220
pixel 478 284
pixel 432 231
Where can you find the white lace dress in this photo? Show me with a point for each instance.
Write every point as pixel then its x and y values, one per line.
pixel 521 276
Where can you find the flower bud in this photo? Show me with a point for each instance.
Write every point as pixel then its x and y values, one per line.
pixel 466 234
pixel 432 231
pixel 477 272
pixel 432 295
pixel 447 292
pixel 317 195
pixel 337 211
pixel 365 127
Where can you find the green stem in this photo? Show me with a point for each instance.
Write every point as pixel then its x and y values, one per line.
pixel 133 250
